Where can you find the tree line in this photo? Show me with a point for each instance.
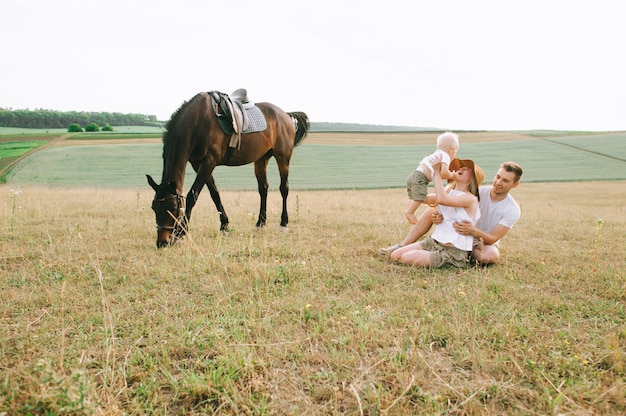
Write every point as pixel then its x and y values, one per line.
pixel 50 119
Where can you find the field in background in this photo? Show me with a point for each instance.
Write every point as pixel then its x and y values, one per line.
pixel 335 160
pixel 16 143
pixel 12 151
pixel 22 132
pixel 15 149
pixel 96 320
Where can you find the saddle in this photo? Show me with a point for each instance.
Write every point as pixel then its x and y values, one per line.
pixel 236 115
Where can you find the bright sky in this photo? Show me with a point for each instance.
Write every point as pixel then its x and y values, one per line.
pixel 458 64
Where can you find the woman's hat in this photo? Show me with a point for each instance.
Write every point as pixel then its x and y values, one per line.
pixel 456 164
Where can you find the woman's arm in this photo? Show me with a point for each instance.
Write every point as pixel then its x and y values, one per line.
pixel 465 200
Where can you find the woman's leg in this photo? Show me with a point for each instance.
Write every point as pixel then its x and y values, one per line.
pixel 397 254
pixel 413 254
pixel 417 231
pixel 419 258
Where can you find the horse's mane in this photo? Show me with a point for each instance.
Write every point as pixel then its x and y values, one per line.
pixel 169 136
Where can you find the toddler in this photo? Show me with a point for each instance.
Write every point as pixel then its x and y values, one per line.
pixel 418 180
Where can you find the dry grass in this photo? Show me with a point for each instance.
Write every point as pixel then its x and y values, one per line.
pixel 95 320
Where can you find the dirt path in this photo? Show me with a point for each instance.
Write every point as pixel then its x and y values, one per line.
pixel 55 140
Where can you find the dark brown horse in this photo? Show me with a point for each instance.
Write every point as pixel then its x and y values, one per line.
pixel 193 135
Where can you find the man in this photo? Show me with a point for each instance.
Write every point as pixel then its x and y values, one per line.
pixel 498 210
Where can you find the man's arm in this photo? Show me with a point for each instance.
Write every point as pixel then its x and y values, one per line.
pixel 466 228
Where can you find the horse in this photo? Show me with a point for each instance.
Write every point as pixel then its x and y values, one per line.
pixel 193 134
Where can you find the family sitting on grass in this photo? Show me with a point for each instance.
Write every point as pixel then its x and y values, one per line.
pixel 470 219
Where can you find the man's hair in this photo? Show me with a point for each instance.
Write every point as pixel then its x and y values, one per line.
pixel 513 167
pixel 447 140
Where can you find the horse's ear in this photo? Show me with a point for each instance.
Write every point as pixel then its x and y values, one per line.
pixel 152 183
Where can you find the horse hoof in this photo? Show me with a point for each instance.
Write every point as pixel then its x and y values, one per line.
pixel 284 228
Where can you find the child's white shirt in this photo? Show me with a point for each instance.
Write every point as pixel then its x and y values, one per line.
pixel 445 158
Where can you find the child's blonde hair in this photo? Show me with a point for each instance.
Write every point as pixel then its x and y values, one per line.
pixel 447 140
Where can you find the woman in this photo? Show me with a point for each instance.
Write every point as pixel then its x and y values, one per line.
pixel 446 247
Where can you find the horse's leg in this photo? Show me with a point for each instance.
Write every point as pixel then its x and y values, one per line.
pixel 204 175
pixel 192 198
pixel 215 196
pixel 283 170
pixel 260 171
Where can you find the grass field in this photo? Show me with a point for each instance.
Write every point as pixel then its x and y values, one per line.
pixel 9 132
pixel 96 320
pixel 17 142
pixel 15 149
pixel 11 151
pixel 335 161
pixel 22 132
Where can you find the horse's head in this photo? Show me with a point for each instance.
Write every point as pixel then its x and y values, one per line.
pixel 169 206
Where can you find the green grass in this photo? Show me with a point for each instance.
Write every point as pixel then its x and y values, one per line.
pixel 58 132
pixel 318 166
pixel 22 132
pixel 123 132
pixel 609 145
pixel 16 149
pixel 112 135
pixel 10 152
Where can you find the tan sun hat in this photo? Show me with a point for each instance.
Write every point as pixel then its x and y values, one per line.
pixel 479 176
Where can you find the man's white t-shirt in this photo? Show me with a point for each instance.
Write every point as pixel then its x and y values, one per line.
pixel 505 212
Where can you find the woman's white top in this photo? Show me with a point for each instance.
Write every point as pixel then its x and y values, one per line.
pixel 445 232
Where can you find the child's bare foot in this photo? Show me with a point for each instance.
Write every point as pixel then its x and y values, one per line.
pixel 412 219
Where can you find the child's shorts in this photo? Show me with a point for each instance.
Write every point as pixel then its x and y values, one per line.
pixel 417 186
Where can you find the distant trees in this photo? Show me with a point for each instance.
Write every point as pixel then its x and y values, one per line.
pixel 74 128
pixel 49 119
pixel 92 127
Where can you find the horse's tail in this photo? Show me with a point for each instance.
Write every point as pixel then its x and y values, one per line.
pixel 301 121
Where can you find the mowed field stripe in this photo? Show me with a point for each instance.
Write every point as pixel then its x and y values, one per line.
pixel 321 166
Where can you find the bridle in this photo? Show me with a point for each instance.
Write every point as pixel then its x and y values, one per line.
pixel 180 207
